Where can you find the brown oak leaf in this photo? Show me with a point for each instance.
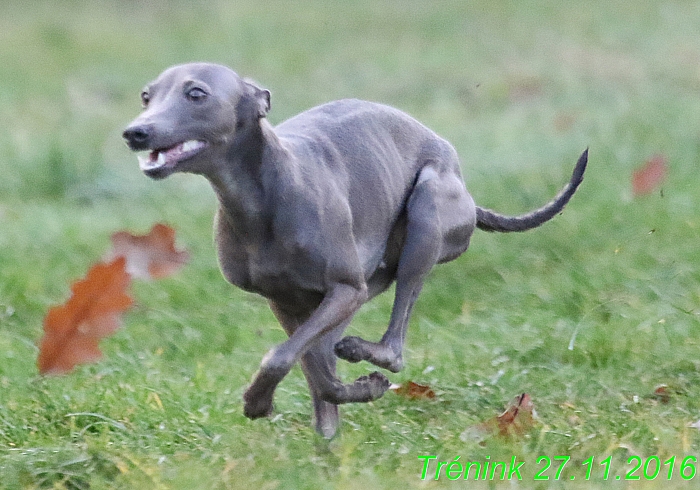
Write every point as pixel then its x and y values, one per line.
pixel 414 391
pixel 518 419
pixel 151 256
pixel 72 331
pixel 647 178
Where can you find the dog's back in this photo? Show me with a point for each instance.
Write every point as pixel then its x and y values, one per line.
pixel 372 153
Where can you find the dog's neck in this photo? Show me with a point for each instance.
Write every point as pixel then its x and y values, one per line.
pixel 239 180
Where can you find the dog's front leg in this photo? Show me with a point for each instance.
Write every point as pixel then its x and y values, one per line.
pixel 337 307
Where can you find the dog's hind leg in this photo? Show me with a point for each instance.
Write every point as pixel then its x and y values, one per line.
pixel 440 220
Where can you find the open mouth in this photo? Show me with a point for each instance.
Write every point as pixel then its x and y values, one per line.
pixel 167 158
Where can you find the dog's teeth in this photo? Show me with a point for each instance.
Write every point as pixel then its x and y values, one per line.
pixel 161 159
pixel 189 145
pixel 144 162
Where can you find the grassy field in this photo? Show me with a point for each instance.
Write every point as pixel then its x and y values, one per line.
pixel 588 314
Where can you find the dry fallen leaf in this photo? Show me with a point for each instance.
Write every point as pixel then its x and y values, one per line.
pixel 647 178
pixel 517 420
pixel 414 391
pixel 72 331
pixel 662 393
pixel 151 256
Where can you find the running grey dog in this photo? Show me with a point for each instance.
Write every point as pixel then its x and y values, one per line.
pixel 318 215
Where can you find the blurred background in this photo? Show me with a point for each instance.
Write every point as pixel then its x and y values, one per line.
pixel 496 78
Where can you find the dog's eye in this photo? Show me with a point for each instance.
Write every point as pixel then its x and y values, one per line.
pixel 145 98
pixel 196 94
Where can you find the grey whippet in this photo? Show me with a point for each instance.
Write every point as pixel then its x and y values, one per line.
pixel 318 215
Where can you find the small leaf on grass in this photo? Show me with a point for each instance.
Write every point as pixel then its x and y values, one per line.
pixel 414 391
pixel 647 178
pixel 72 331
pixel 151 256
pixel 518 418
pixel 516 421
pixel 662 393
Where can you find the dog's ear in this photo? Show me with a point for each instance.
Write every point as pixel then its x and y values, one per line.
pixel 261 96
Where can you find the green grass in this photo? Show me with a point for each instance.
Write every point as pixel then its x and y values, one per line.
pixel 520 89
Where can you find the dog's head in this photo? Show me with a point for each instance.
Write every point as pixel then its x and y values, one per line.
pixel 191 114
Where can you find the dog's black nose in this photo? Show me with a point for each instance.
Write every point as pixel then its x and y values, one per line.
pixel 137 137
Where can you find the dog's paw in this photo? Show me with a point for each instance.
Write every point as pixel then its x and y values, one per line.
pixel 355 349
pixel 257 406
pixel 374 385
pixel 351 349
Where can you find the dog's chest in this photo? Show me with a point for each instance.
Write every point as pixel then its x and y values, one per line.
pixel 268 267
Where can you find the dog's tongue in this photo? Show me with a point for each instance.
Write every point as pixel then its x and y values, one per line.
pixel 169 156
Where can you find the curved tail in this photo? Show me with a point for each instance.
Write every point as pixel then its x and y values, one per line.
pixel 490 221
